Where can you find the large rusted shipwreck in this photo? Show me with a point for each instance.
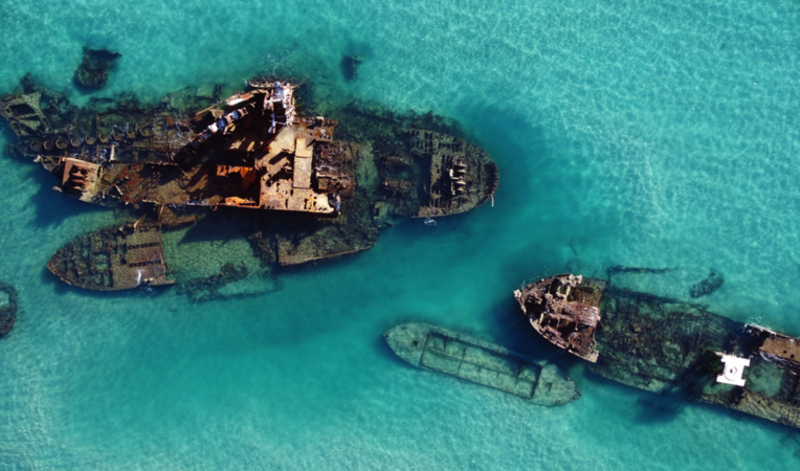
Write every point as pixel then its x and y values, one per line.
pixel 668 346
pixel 174 161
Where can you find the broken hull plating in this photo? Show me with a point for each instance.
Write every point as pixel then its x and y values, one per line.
pixel 663 345
pixel 113 258
pixel 564 310
pixel 674 347
pixel 443 351
pixel 324 199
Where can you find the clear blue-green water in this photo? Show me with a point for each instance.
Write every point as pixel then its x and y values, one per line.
pixel 643 133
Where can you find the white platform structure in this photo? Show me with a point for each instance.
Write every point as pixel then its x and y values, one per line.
pixel 734 367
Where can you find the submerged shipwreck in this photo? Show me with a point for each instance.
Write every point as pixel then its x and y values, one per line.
pixel 8 308
pixel 444 351
pixel 668 346
pixel 307 197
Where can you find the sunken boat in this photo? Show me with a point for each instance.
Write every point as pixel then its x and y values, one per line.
pixel 300 197
pixel 451 353
pixel 668 346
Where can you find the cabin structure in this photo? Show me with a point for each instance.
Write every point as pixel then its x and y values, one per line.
pixel 563 312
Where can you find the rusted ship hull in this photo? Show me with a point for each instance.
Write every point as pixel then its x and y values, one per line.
pixel 565 311
pixel 459 176
pixel 436 349
pixel 251 151
pixel 669 346
pixel 113 258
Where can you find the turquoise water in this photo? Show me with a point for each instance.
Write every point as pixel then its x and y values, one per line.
pixel 643 133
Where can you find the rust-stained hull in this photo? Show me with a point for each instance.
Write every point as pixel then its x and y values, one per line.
pixel 322 199
pixel 113 258
pixel 565 311
pixel 229 155
pixel 460 177
pixel 669 346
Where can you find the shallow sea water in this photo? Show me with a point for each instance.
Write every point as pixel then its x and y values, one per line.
pixel 642 133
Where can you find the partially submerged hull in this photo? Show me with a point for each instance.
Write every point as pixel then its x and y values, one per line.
pixel 113 258
pixel 669 346
pixel 458 174
pixel 564 311
pixel 248 151
pixel 444 351
pixel 194 152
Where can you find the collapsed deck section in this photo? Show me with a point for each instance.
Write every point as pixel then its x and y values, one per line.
pixel 24 114
pixel 249 151
pixel 113 258
pixel 480 362
pixel 665 345
pixel 669 346
pixel 565 310
pixel 776 347
pixel 193 150
pixel 460 177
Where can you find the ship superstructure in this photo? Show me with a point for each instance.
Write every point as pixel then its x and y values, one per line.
pixel 192 151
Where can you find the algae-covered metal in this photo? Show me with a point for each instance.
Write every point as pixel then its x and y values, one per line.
pixel 455 354
pixel 670 346
pixel 113 258
pixel 195 151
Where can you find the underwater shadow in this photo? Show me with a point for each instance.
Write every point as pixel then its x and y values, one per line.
pixel 516 145
pixel 384 351
pixel 651 408
pixel 7 136
pixel 219 226
pixel 418 228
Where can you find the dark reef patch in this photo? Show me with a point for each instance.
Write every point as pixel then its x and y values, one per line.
pixel 207 288
pixel 349 66
pixel 8 308
pixel 707 286
pixel 92 74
